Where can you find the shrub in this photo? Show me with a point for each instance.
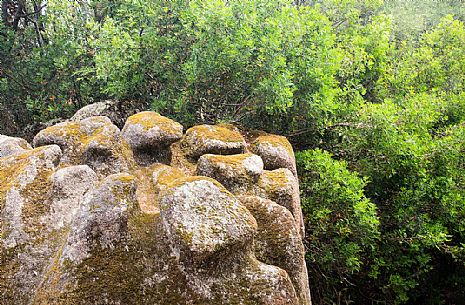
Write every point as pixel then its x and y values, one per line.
pixel 341 224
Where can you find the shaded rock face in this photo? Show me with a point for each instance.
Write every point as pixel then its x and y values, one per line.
pixel 148 215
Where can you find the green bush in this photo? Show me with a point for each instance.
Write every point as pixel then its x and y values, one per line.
pixel 409 154
pixel 378 84
pixel 341 224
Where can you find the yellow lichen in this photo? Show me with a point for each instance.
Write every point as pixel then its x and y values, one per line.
pixel 233 161
pixel 216 133
pixel 274 140
pixel 150 119
pixel 147 191
pixel 273 181
pixel 168 174
pixel 178 159
pixel 68 129
pixel 12 167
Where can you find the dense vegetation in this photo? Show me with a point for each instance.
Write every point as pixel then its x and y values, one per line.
pixel 371 92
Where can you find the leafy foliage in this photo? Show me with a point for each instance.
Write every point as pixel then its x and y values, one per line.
pixel 341 223
pixel 365 88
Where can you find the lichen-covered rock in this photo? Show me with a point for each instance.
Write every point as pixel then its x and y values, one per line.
pixel 149 129
pixel 150 135
pixel 26 244
pixel 278 242
pixel 68 186
pixel 235 172
pixel 23 183
pixel 96 220
pixel 94 141
pixel 65 134
pixel 104 150
pixel 103 217
pixel 164 175
pixel 203 219
pixel 116 111
pixel 11 145
pixel 209 139
pixel 282 187
pixel 150 181
pixel 276 152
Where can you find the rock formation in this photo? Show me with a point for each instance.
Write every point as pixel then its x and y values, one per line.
pixel 149 215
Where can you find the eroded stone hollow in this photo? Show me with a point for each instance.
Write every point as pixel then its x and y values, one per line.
pixel 149 215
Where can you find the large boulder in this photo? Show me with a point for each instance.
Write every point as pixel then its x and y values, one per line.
pixel 11 145
pixel 203 219
pixel 150 135
pixel 212 139
pixel 235 172
pixel 281 186
pixel 68 186
pixel 278 241
pixel 276 152
pixel 94 141
pixel 116 111
pixel 26 242
pixel 95 215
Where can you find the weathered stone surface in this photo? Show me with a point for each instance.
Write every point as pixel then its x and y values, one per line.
pixel 68 186
pixel 102 220
pixel 11 145
pixel 25 241
pixel 149 129
pixel 276 152
pixel 94 141
pixel 278 242
pixel 282 187
pixel 209 139
pixel 92 220
pixel 150 134
pixel 116 111
pixel 235 172
pixel 164 175
pixel 203 219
